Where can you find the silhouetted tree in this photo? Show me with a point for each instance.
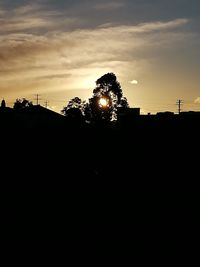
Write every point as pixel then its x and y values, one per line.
pixel 97 111
pixel 22 103
pixel 108 88
pixel 108 84
pixel 75 103
pixel 75 109
pixel 124 103
pixel 107 97
pixel 3 103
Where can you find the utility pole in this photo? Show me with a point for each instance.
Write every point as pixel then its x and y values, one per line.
pixel 179 103
pixel 46 104
pixel 37 99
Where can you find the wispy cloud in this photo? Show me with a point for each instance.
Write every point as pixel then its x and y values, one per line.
pixel 147 27
pixel 27 9
pixel 159 25
pixel 53 76
pixel 79 47
pixel 16 25
pixel 32 17
pixel 38 50
pixel 62 47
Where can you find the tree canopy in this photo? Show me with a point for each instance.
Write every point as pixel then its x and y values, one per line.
pixel 22 103
pixel 107 97
pixel 3 103
pixel 75 109
pixel 74 103
pixel 108 88
pixel 108 85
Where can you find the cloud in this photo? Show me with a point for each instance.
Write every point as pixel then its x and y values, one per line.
pixel 53 60
pixel 24 18
pixel 53 76
pixel 27 9
pixel 13 25
pixel 159 25
pixel 147 27
pixel 197 100
pixel 74 49
pixel 33 17
pixel 135 82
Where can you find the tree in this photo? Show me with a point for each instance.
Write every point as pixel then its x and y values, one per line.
pixel 108 91
pixel 75 108
pixel 100 108
pixel 108 85
pixel 22 103
pixel 3 103
pixel 124 103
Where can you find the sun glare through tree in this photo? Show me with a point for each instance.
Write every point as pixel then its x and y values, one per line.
pixel 103 102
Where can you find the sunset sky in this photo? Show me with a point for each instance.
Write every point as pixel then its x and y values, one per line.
pixel 58 49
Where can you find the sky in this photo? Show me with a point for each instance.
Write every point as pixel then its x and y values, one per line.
pixel 58 49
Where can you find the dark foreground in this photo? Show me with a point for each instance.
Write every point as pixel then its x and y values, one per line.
pixel 151 155
pixel 138 182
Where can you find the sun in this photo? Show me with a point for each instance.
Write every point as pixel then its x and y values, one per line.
pixel 103 102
